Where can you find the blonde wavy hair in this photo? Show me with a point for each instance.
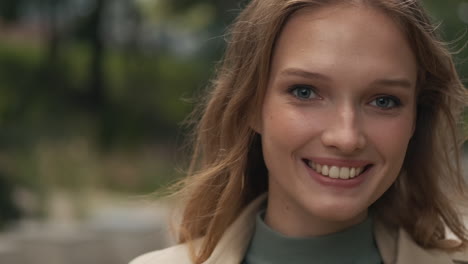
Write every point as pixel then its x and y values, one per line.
pixel 227 170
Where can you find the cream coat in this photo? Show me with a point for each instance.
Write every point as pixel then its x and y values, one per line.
pixel 395 246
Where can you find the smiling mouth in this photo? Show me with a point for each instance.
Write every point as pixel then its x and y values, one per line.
pixel 337 172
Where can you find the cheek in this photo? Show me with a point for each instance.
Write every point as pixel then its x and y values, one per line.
pixel 391 137
pixel 288 128
pixel 281 132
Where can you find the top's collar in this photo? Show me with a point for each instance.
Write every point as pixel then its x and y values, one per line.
pixel 354 245
pixel 395 246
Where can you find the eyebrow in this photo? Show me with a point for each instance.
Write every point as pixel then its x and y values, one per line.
pixel 404 83
pixel 304 74
pixel 397 82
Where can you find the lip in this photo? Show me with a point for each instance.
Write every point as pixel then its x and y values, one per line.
pixel 339 183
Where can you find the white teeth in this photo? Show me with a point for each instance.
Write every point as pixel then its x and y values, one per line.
pixel 344 173
pixel 319 168
pixel 335 172
pixel 358 171
pixel 325 170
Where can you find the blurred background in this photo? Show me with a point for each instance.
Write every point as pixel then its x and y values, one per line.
pixel 92 95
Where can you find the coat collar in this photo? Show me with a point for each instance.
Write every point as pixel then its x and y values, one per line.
pixel 395 246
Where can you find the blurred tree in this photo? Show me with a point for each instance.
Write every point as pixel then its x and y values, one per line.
pixel 448 15
pixel 223 8
pixel 9 10
pixel 51 66
pixel 8 209
pixel 96 96
pixel 115 71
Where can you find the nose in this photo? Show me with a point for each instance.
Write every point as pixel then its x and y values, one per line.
pixel 344 132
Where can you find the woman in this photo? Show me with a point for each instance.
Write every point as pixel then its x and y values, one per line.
pixel 345 113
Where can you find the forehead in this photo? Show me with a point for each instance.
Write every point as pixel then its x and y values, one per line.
pixel 344 39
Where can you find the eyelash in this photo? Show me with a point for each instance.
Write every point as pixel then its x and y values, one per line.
pixel 396 102
pixel 293 90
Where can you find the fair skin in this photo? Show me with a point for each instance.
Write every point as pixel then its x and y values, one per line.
pixel 341 95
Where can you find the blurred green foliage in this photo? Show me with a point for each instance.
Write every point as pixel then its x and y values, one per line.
pixel 92 92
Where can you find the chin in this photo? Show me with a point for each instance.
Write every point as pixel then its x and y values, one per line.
pixel 341 213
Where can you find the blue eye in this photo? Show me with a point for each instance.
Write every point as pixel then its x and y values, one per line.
pixel 303 92
pixel 386 102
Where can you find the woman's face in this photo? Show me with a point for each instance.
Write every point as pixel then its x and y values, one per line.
pixel 337 117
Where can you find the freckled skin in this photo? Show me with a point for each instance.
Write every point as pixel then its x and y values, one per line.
pixel 353 46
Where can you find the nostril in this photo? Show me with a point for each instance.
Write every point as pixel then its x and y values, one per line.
pixel 346 140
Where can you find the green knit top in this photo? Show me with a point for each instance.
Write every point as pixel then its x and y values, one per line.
pixel 353 245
